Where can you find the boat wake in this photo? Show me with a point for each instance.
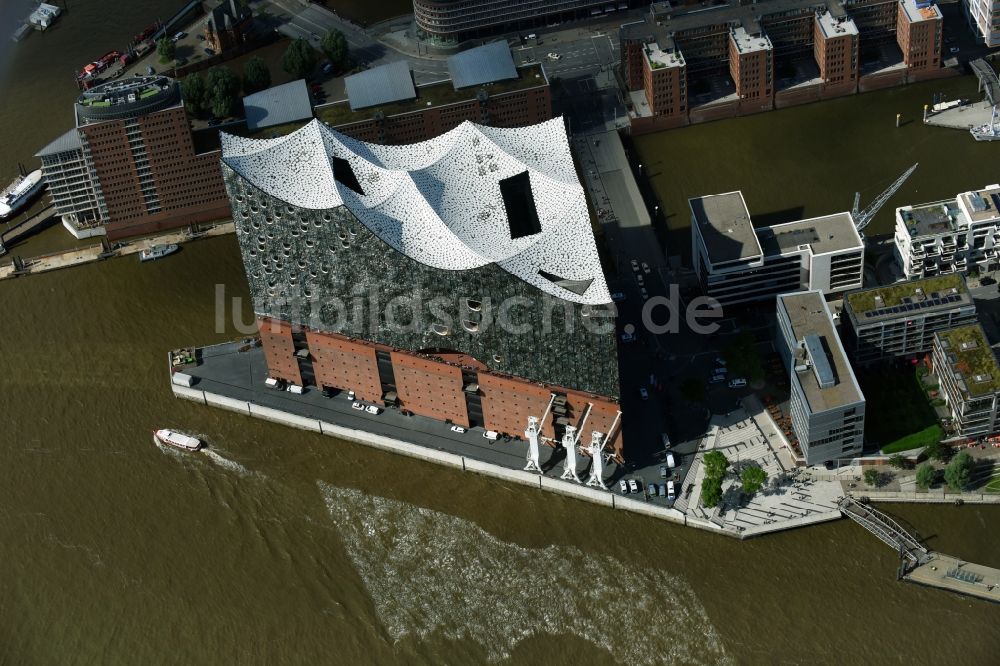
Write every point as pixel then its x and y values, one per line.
pixel 226 463
pixel 432 573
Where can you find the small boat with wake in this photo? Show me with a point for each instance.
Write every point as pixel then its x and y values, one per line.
pixel 177 439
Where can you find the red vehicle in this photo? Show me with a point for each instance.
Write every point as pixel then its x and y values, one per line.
pixel 147 33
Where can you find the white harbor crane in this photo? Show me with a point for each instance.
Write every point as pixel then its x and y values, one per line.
pixel 863 217
pixel 531 433
pixel 571 435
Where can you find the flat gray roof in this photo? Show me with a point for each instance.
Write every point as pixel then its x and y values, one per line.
pixel 829 233
pixel 278 105
pixel 483 64
pixel 809 315
pixel 982 204
pixel 380 85
pixel 66 142
pixel 725 227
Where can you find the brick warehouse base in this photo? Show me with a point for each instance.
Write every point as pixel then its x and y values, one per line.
pixel 428 385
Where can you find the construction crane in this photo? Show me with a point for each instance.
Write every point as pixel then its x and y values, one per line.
pixel 863 217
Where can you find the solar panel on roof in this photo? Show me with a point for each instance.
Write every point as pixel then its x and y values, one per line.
pixel 483 64
pixel 380 85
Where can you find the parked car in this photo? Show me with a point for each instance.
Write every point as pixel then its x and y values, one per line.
pixel 663 490
pixel 737 382
pixel 617 297
pixel 652 380
pixel 327 68
pixel 623 484
pixel 276 384
pixel 717 379
pixel 457 428
pixel 954 49
pixel 644 394
pixel 358 406
pixel 639 281
pixel 663 471
pixel 491 435
pixel 644 293
pixel 633 486
pixel 671 496
pixel 645 268
pixel 635 265
pixel 651 490
pixel 372 409
pixel 720 361
pixel 665 440
pixel 627 337
pixel 179 36
pixel 350 395
pixel 671 461
pixel 553 56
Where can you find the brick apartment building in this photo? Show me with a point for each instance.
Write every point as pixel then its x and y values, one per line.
pixel 744 58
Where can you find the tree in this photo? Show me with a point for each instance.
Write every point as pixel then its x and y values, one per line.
pixel 743 358
pixel 873 477
pixel 256 75
pixel 959 471
pixel 334 46
pixel 166 48
pixel 937 450
pixel 221 90
pixel 926 476
pixel 715 465
pixel 753 479
pixel 693 389
pixel 299 59
pixel 711 492
pixel 193 91
pixel 897 461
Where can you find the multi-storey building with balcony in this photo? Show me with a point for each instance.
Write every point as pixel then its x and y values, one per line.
pixel 130 165
pixel 951 236
pixel 826 404
pixel 738 264
pixel 899 321
pixel 969 376
pixel 984 19
pixel 742 47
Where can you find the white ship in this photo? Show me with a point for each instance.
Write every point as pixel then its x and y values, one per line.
pixel 177 440
pixel 20 193
pixel 44 16
pixel 157 251
pixel 989 131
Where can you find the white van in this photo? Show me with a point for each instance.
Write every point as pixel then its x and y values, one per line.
pixel 671 463
pixel 296 389
pixel 670 491
pixel 491 435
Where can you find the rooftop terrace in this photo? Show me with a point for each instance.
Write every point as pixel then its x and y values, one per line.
pixel 943 292
pixel 747 42
pixel 836 26
pixel 931 219
pixel 972 360
pixel 659 58
pixel 921 10
pixel 981 205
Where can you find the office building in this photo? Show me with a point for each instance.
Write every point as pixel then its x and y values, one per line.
pixel 899 321
pixel 455 21
pixel 984 19
pixel 969 377
pixel 130 166
pixel 456 279
pixel 951 236
pixel 737 263
pixel 826 404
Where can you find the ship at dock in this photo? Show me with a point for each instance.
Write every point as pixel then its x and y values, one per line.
pixel 20 193
pixel 987 131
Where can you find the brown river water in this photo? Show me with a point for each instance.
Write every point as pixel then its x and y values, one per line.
pixel 280 546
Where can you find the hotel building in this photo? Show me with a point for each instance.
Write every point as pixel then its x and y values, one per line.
pixel 456 279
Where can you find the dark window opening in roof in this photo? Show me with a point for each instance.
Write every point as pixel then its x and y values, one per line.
pixel 343 172
pixel 520 205
pixel 578 287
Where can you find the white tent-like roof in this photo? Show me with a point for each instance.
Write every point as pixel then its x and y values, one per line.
pixel 444 202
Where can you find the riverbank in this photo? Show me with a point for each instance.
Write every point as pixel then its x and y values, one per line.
pixel 19 267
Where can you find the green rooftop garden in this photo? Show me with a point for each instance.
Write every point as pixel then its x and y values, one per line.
pixel 892 295
pixel 977 360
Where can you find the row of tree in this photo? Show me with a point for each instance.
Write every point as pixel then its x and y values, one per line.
pixel 300 59
pixel 217 90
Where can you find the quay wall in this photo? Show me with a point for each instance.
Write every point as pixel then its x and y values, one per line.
pixel 566 488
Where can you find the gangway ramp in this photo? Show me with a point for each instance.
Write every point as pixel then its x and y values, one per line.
pixel 989 82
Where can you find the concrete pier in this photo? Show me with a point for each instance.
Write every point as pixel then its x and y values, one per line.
pixel 946 572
